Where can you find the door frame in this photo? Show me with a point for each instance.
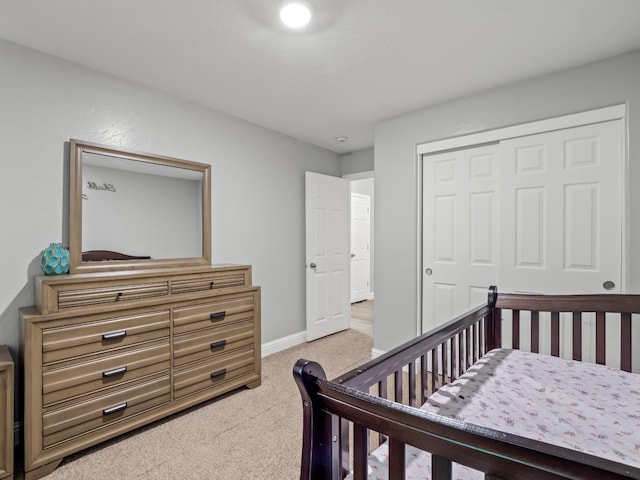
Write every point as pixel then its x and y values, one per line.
pixel 615 112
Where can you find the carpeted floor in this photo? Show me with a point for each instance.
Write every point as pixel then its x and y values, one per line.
pixel 250 434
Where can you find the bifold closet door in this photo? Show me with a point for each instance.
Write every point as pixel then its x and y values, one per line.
pixel 561 219
pixel 539 213
pixel 460 231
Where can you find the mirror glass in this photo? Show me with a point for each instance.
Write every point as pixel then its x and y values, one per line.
pixel 132 210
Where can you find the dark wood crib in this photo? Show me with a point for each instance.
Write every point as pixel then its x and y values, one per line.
pixel 377 401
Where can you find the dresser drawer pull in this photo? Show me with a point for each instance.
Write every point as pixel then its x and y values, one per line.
pixel 112 335
pixel 114 372
pixel 217 315
pixel 114 409
pixel 118 296
pixel 218 344
pixel 211 285
pixel 219 373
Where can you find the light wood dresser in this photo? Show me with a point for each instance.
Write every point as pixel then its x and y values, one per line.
pixel 105 353
pixel 7 375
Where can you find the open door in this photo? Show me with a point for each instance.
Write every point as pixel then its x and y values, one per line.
pixel 327 254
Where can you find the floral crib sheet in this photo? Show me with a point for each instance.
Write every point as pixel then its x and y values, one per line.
pixel 586 407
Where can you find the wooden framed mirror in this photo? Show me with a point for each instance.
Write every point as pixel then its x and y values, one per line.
pixel 134 210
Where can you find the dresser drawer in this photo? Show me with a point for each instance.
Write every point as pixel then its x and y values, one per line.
pixel 111 294
pixel 218 372
pixel 208 343
pixel 217 313
pixel 96 336
pixel 210 281
pixel 68 379
pixel 113 406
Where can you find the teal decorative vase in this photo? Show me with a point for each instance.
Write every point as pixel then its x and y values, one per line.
pixel 55 259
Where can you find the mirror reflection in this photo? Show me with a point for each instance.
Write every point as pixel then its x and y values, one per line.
pixel 140 209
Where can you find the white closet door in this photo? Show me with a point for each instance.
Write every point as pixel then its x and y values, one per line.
pixel 561 211
pixel 459 231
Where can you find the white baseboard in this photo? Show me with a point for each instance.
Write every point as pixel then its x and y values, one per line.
pixel 283 343
pixel 375 353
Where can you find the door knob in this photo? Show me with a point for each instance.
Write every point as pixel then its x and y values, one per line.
pixel 353 255
pixel 313 265
pixel 428 271
pixel 608 285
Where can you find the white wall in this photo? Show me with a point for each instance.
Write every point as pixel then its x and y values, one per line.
pixel 257 177
pixel 604 83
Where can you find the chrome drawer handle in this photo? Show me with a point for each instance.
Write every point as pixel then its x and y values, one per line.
pixel 114 409
pixel 115 371
pixel 112 335
pixel 217 315
pixel 219 373
pixel 218 344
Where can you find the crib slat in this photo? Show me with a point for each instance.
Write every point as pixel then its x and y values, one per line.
pixel 397 383
pixel 382 388
pixel 396 459
pixel 515 334
pixel 555 334
pixel 452 361
pixel 535 332
pixel 440 468
pixel 468 355
pixel 461 366
pixel 473 344
pixel 360 452
pixel 444 363
pixel 424 379
pixel 412 384
pixel 434 370
pixel 577 336
pixel 625 342
pixel 600 338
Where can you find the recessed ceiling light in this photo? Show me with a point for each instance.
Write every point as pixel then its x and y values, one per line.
pixel 342 139
pixel 295 15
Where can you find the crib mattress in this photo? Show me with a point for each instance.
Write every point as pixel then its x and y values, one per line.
pixel 590 408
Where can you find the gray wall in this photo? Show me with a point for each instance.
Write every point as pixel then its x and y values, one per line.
pixel 604 83
pixel 257 177
pixel 357 162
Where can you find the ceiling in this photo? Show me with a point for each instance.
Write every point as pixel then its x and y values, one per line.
pixel 358 62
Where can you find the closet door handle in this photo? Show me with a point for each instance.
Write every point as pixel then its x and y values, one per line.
pixel 218 344
pixel 114 409
pixel 219 373
pixel 115 371
pixel 112 335
pixel 217 315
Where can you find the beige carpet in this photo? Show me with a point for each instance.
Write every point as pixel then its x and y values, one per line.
pixel 250 434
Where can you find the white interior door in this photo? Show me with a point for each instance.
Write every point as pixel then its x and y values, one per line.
pixel 459 231
pixel 327 254
pixel 360 247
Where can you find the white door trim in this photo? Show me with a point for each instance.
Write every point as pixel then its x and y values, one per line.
pixel 557 123
pixel 615 112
